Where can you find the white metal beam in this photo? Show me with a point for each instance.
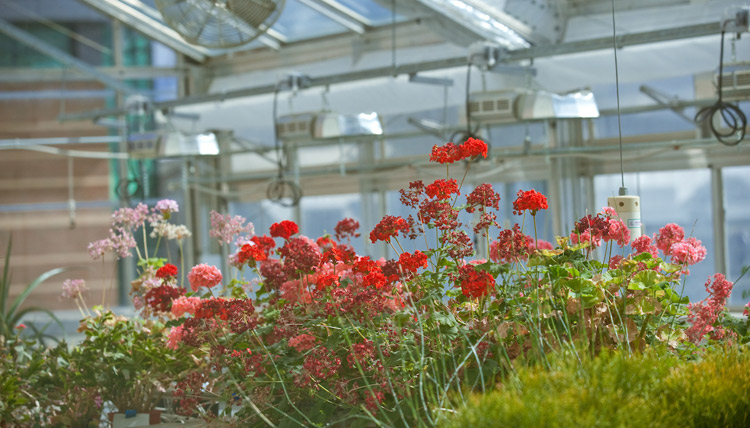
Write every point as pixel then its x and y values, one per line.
pixel 142 22
pixel 335 12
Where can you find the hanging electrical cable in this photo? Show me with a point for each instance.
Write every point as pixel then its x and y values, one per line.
pixel 731 115
pixel 282 191
pixel 628 207
pixel 462 135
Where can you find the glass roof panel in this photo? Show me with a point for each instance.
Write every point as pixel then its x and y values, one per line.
pixel 299 22
pixel 372 10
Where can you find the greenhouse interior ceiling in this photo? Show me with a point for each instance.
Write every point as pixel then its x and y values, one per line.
pixel 319 110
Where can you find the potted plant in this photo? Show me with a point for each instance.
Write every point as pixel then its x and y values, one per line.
pixel 127 362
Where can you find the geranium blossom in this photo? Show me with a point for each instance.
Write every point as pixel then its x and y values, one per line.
pixel 284 229
pixel 689 251
pixel 703 316
pixel 442 189
pixel 303 342
pixel 642 244
pixel 185 305
pixel 475 283
pixel 388 227
pixel 482 197
pixel 529 200
pixel 668 236
pixel 167 271
pixel 450 153
pixel 204 275
pixel 160 298
pixel 346 228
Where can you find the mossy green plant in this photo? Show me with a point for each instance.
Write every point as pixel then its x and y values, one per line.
pixel 617 389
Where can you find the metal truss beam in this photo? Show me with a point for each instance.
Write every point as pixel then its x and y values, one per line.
pixel 22 75
pixel 690 31
pixel 62 57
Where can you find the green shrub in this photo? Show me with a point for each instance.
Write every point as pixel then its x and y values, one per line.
pixel 655 389
pixel 714 392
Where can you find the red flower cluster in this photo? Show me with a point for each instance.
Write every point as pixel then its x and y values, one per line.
pixel 251 254
pixel 412 262
pixel 512 245
pixel 389 227
pixel 159 299
pixel 530 200
pixel 301 255
pixel 458 244
pixel 594 229
pixel 442 189
pixel 167 271
pixel 450 153
pixel 346 228
pixel 440 213
pixel 474 283
pixel 410 198
pixel 303 342
pixel 265 242
pixel 284 229
pixel 482 197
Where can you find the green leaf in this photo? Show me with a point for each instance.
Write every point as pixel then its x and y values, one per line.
pixel 32 285
pixel 644 280
pixel 5 285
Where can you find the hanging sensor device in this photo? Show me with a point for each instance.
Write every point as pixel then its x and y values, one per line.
pixel 628 208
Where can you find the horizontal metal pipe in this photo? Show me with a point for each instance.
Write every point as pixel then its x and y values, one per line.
pixel 689 31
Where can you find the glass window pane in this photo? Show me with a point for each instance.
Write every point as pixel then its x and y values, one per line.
pixel 320 214
pixel 298 21
pixel 737 205
pixel 682 197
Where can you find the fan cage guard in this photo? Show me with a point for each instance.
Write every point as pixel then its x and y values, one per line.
pixel 220 23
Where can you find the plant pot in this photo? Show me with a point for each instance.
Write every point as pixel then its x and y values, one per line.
pixel 122 420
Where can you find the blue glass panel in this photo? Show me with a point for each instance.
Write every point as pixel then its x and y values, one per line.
pixel 736 183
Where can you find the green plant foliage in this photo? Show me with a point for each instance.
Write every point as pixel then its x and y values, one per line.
pixel 654 389
pixel 11 312
pixel 126 361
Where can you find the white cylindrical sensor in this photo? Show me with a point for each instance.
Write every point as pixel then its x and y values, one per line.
pixel 629 211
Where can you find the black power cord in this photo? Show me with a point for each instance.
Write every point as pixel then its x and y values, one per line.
pixel 281 191
pixel 731 115
pixel 460 136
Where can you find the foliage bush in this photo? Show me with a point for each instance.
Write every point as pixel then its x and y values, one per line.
pixel 617 389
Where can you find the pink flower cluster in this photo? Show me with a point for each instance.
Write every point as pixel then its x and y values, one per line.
pixel 704 315
pixel 204 275
pixel 671 241
pixel 72 288
pixel 184 304
pixel 166 207
pixel 225 227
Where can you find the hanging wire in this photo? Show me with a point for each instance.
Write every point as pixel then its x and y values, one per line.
pixel 732 116
pixel 461 136
pixel 623 189
pixel 281 190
